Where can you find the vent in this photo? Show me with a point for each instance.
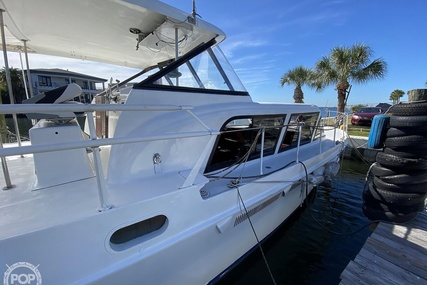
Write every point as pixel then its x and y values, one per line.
pixel 204 193
pixel 243 217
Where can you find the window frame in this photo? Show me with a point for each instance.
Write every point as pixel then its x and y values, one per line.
pixel 239 143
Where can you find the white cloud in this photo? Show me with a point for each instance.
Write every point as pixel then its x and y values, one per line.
pixel 234 44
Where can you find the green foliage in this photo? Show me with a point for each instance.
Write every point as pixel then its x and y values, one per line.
pixel 299 76
pixel 345 65
pixel 357 107
pixel 396 95
pixel 17 85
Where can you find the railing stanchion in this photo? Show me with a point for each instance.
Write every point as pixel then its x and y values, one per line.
pixel 262 151
pixel 299 141
pixel 98 164
pixel 5 168
pixel 321 134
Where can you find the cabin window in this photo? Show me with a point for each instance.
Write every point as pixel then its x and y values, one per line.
pixel 137 232
pixel 45 81
pixel 308 124
pixel 241 139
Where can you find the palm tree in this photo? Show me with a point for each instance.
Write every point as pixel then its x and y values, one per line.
pixel 299 76
pixel 396 95
pixel 344 65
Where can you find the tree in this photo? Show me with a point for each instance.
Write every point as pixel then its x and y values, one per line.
pixel 396 95
pixel 18 93
pixel 17 85
pixel 357 107
pixel 299 76
pixel 345 65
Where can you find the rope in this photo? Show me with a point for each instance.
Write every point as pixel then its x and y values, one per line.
pixel 257 239
pixel 358 152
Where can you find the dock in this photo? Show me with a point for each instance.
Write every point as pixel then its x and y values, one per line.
pixel 393 254
pixel 357 149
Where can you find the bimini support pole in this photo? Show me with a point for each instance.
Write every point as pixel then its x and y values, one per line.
pixel 3 159
pixel 23 76
pixel 176 53
pixel 30 86
pixel 7 71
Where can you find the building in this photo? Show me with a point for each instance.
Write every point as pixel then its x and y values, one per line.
pixel 48 79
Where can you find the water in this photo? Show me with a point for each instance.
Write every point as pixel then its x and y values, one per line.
pixel 331 111
pixel 306 251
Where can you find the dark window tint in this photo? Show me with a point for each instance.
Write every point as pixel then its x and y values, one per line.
pixel 241 140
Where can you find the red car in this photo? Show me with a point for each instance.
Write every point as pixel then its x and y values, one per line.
pixel 365 115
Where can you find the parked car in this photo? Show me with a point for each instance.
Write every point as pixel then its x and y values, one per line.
pixel 365 115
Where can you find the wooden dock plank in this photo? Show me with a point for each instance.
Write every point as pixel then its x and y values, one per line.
pixel 398 256
pixel 413 236
pixel 420 222
pixel 401 247
pixel 348 277
pixel 386 269
pixel 393 254
pixel 367 276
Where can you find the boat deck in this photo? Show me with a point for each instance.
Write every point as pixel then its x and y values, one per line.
pixel 24 208
pixel 393 254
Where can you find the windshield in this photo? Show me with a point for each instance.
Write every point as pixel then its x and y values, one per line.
pixel 208 70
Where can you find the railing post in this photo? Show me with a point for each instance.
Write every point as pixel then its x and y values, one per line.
pixel 98 165
pixel 320 140
pixel 5 168
pixel 262 151
pixel 299 141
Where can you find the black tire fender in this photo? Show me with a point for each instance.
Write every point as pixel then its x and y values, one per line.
pixel 404 164
pixel 374 214
pixel 418 141
pixel 379 170
pixel 409 109
pixel 395 132
pixel 400 188
pixel 401 199
pixel 419 177
pixel 408 121
pixel 370 201
pixel 407 152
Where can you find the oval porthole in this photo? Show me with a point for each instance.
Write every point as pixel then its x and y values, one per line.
pixel 128 236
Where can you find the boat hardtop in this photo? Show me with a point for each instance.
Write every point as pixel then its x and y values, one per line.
pixel 143 31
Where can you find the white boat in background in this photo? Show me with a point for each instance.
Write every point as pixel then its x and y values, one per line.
pixel 191 174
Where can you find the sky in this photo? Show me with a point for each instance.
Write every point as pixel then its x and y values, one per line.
pixel 267 38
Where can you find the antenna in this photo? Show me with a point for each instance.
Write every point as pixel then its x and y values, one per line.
pixel 194 12
pixel 192 19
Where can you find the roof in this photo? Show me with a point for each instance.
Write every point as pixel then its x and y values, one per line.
pixel 105 30
pixel 67 73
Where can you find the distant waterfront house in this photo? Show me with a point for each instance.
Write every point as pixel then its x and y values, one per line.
pixel 384 106
pixel 48 79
